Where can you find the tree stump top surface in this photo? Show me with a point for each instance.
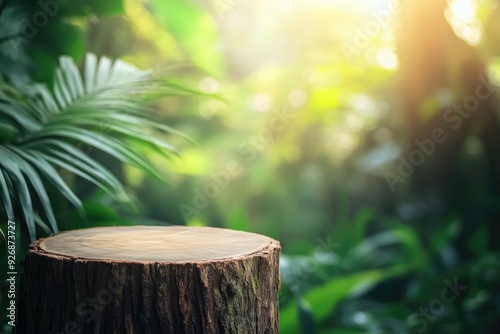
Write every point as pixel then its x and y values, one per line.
pixel 155 243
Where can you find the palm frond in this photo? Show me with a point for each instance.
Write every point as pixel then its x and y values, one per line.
pixel 103 109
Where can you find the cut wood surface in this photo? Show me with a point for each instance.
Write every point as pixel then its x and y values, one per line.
pixel 151 279
pixel 155 243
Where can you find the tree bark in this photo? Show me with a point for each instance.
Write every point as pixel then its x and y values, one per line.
pixel 146 279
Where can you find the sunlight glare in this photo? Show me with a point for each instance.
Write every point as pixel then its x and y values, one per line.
pixel 387 59
pixel 463 9
pixel 261 102
pixel 462 17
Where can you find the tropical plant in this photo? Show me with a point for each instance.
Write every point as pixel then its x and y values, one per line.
pixel 379 283
pixel 44 132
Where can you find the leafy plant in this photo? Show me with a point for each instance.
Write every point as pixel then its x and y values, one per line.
pixel 45 131
pixel 321 284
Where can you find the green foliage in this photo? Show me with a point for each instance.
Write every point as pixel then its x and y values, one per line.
pixel 335 286
pixel 357 258
pixel 100 110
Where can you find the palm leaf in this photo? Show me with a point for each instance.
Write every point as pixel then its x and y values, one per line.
pixel 103 109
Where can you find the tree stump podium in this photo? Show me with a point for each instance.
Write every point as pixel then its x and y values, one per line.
pixel 150 279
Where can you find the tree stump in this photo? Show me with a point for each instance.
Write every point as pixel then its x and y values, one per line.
pixel 150 279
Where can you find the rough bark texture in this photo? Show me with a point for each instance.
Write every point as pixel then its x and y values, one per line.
pixel 64 294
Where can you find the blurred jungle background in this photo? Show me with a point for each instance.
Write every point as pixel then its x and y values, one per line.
pixel 363 135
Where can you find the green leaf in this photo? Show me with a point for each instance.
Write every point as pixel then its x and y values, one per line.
pixel 90 72
pixel 42 225
pixel 410 239
pixel 102 110
pixel 23 193
pixel 19 115
pixel 61 91
pixel 51 174
pixel 444 235
pixel 323 299
pixel 305 316
pixel 7 203
pixel 72 77
pixel 35 181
